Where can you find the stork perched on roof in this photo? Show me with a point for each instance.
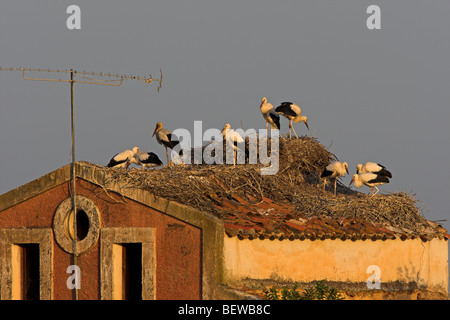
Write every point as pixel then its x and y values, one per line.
pixel 372 167
pixel 232 138
pixel 147 159
pixel 269 115
pixel 334 170
pixel 123 159
pixel 372 180
pixel 293 113
pixel 166 138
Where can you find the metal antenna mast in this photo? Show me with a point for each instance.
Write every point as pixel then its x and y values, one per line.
pixel 107 79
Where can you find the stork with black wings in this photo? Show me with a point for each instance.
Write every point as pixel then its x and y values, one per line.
pixel 293 113
pixel 166 138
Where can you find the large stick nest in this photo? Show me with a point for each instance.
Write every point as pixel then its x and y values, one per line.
pixel 297 183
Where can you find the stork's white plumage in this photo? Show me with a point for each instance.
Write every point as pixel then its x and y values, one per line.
pixel 270 115
pixel 232 138
pixel 165 138
pixel 123 159
pixel 372 180
pixel 147 159
pixel 372 167
pixel 293 113
pixel 335 170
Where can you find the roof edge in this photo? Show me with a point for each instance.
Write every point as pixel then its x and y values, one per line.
pixel 35 187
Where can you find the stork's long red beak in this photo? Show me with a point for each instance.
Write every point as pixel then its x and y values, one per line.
pixel 155 131
pixel 306 124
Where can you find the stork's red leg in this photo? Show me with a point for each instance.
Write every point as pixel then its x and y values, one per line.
pixel 376 192
pixel 167 155
pixel 335 181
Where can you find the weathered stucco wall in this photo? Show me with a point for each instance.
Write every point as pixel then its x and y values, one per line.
pixel 425 263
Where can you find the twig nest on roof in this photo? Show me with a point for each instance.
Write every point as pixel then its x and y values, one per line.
pixel 296 183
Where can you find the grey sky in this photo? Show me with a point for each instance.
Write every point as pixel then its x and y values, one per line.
pixel 374 95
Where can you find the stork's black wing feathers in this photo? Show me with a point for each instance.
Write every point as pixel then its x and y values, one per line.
pixel 326 173
pixel 152 158
pixel 384 171
pixel 113 163
pixel 285 109
pixel 171 143
pixel 379 178
pixel 275 118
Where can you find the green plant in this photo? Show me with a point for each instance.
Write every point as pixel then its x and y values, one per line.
pixel 271 294
pixel 320 291
pixel 290 294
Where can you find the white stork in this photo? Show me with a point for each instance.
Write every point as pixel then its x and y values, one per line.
pixel 269 115
pixel 123 159
pixel 334 170
pixel 232 138
pixel 147 159
pixel 165 138
pixel 372 180
pixel 293 113
pixel 372 167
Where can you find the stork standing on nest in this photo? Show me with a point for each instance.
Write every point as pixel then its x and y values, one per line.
pixel 165 138
pixel 232 138
pixel 372 180
pixel 372 167
pixel 293 113
pixel 147 159
pixel 335 170
pixel 123 159
pixel 270 115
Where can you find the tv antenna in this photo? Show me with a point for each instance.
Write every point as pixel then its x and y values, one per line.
pixel 99 78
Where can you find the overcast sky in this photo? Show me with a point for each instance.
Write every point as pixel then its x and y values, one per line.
pixel 373 95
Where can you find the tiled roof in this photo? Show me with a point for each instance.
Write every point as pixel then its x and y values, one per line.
pixel 253 219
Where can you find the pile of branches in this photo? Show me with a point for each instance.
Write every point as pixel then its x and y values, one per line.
pixel 297 182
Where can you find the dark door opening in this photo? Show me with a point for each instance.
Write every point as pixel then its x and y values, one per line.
pixel 28 267
pixel 132 271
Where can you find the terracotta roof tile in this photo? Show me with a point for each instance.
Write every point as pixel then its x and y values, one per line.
pixel 230 203
pixel 255 219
